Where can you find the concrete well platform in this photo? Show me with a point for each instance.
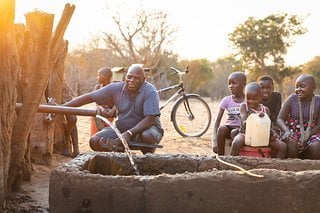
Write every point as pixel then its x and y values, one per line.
pixel 104 182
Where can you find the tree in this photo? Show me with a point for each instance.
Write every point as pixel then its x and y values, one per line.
pixel 221 69
pixel 82 66
pixel 145 39
pixel 9 72
pixel 263 43
pixel 313 68
pixel 39 53
pixel 200 72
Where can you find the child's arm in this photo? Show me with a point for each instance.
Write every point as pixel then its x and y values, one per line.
pixel 267 111
pixel 216 126
pixel 282 117
pixel 243 115
pixel 277 106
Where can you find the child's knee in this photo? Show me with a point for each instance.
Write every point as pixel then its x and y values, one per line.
pixel 278 144
pixel 314 151
pixel 283 146
pixel 223 130
pixel 234 132
pixel 238 142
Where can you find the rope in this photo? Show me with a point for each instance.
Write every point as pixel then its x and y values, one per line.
pixel 237 167
pixel 305 132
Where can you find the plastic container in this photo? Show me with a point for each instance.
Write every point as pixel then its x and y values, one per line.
pixel 257 130
pixel 255 151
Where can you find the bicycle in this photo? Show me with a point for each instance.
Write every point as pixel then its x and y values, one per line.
pixel 190 115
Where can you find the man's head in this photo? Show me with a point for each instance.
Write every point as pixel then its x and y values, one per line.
pixel 104 75
pixel 135 77
pixel 266 83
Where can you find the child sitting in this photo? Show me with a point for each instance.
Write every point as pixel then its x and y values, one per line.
pixel 231 103
pixel 252 105
pixel 269 98
pixel 299 120
pixel 104 76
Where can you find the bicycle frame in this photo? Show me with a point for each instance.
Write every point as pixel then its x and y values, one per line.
pixel 185 116
pixel 176 94
pixel 180 91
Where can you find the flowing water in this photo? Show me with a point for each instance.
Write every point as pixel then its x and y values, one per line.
pixel 124 143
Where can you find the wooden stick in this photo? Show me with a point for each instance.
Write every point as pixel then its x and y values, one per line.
pixel 63 110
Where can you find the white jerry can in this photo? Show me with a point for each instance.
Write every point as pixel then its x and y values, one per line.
pixel 257 130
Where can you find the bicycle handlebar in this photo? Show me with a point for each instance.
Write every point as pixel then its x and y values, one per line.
pixel 180 72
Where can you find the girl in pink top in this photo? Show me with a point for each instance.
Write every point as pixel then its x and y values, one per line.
pixel 236 84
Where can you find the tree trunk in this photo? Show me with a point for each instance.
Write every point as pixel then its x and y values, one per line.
pixel 46 133
pixel 39 26
pixel 39 139
pixel 9 70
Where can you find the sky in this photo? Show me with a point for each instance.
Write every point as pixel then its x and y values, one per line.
pixel 203 25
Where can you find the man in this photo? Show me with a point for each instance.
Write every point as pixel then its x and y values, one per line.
pixel 137 104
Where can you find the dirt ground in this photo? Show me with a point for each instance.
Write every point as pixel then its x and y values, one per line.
pixel 34 196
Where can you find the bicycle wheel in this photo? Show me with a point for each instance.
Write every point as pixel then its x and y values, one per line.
pixel 191 116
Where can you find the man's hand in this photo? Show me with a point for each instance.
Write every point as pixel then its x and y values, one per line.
pixel 127 135
pixel 106 111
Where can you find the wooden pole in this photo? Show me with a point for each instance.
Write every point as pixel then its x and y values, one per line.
pixel 9 72
pixel 63 110
pixel 40 27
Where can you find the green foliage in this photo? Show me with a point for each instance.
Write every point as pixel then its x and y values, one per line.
pixel 262 44
pixel 221 69
pixel 81 68
pixel 313 68
pixel 200 72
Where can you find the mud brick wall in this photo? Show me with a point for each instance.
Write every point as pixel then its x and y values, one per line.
pixel 181 183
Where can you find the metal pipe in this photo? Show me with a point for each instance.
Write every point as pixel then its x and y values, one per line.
pixel 59 109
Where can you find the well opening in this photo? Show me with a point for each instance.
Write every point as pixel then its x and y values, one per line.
pixel 119 164
pixel 148 165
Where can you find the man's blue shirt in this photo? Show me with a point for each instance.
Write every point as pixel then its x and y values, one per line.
pixel 129 112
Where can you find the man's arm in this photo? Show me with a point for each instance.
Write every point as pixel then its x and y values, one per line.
pixel 79 101
pixel 243 115
pixel 145 123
